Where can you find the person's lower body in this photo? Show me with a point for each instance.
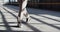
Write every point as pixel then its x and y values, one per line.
pixel 22 12
pixel 20 17
pixel 26 14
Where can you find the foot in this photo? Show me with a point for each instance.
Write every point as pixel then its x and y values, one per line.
pixel 27 19
pixel 19 22
pixel 19 25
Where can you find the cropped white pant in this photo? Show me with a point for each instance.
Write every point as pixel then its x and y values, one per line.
pixel 23 11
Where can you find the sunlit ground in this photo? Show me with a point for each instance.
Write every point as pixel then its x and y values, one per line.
pixel 41 20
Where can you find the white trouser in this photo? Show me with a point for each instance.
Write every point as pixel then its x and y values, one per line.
pixel 24 12
pixel 24 4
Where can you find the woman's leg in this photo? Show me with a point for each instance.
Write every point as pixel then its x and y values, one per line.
pixel 26 14
pixel 19 18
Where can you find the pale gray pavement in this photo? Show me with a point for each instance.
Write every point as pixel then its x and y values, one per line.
pixel 41 20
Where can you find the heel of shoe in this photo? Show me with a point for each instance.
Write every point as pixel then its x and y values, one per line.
pixel 26 19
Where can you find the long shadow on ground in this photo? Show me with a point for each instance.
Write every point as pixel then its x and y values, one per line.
pixel 30 26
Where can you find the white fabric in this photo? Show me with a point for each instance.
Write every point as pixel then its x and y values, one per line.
pixel 24 4
pixel 24 12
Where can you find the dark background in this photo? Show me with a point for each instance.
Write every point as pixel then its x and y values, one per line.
pixel 37 4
